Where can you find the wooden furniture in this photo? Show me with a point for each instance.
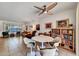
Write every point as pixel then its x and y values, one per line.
pixel 67 37
pixel 46 34
pixel 29 34
pixel 33 33
pixel 38 27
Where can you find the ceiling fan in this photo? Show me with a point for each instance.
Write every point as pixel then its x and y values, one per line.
pixel 46 8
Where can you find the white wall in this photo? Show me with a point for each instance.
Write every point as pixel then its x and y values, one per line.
pixel 1 27
pixel 77 30
pixel 70 13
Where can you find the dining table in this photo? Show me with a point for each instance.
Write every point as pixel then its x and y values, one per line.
pixel 42 39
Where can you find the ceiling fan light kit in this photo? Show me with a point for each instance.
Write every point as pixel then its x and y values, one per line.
pixel 45 12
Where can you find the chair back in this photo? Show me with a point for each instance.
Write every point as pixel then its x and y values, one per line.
pixel 28 42
pixel 5 34
pixel 33 33
pixel 57 41
pixel 18 33
pixel 25 40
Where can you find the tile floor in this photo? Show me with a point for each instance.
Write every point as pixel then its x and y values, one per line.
pixel 16 47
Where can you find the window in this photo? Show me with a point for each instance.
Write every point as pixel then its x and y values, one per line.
pixel 12 28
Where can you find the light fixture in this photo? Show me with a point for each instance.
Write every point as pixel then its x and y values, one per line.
pixel 45 12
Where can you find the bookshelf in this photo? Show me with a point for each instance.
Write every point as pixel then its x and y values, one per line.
pixel 67 37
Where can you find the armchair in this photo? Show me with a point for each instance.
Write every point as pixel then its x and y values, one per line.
pixel 5 34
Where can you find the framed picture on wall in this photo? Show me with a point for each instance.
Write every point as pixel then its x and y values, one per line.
pixel 38 27
pixel 63 23
pixel 48 25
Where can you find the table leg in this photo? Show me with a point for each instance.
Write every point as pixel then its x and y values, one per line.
pixel 42 44
pixel 37 44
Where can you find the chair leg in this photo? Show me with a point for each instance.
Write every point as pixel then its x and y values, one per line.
pixel 57 50
pixel 31 50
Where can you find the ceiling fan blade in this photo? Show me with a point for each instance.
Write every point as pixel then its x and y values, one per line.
pixel 49 13
pixel 38 7
pixel 49 7
pixel 41 12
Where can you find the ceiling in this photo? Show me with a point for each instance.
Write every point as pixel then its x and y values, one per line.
pixel 25 12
